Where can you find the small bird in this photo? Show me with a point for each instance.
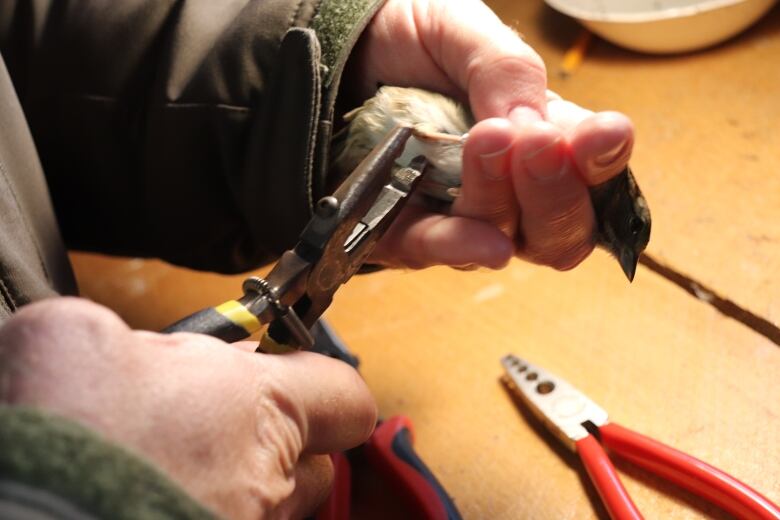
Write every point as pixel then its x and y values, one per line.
pixel 440 128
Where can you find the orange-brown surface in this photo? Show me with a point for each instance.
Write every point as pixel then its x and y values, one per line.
pixel 658 359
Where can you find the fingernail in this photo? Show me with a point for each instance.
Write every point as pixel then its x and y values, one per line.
pixel 546 163
pixel 494 164
pixel 611 155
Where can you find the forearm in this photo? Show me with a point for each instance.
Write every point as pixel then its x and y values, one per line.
pixel 182 129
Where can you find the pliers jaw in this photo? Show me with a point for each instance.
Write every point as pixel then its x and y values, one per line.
pixel 333 246
pixel 340 236
pixel 564 410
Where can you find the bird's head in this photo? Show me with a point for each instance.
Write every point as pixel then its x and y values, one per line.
pixel 623 219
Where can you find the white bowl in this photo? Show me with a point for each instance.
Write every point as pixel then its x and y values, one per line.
pixel 664 26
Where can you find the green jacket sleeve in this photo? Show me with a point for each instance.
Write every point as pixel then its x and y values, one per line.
pixel 192 131
pixel 54 468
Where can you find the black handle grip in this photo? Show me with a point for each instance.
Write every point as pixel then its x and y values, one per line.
pixel 225 322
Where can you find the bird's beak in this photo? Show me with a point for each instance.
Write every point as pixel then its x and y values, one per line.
pixel 628 261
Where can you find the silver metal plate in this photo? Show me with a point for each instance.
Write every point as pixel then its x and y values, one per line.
pixel 562 408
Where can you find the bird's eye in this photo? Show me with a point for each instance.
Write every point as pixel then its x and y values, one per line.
pixel 635 225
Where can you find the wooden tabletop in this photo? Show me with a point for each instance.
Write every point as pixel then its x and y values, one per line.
pixel 688 354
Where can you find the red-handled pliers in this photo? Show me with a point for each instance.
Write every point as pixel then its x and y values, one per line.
pixel 583 427
pixel 389 450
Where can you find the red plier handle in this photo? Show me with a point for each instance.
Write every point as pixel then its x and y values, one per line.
pixel 675 466
pixel 577 422
pixel 391 451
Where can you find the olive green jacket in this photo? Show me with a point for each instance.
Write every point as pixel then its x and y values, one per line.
pixel 191 130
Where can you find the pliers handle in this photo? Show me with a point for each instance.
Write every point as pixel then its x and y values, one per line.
pixel 389 450
pixel 584 427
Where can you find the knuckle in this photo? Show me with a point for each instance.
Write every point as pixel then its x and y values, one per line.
pixel 281 420
pixel 490 66
pixel 279 443
pixel 562 242
pixel 51 337
pixel 69 310
pixel 533 62
pixel 41 324
pixel 522 75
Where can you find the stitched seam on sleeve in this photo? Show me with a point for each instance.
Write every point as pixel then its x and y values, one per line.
pixel 314 101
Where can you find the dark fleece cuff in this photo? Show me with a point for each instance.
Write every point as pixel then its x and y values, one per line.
pixel 339 24
pixel 61 458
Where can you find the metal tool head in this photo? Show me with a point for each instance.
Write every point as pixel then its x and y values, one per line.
pixel 563 409
pixel 368 202
pixel 337 240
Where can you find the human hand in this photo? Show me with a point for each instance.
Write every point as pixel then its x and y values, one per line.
pixel 243 433
pixel 528 161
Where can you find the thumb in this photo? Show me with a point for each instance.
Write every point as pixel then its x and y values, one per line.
pixel 503 76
